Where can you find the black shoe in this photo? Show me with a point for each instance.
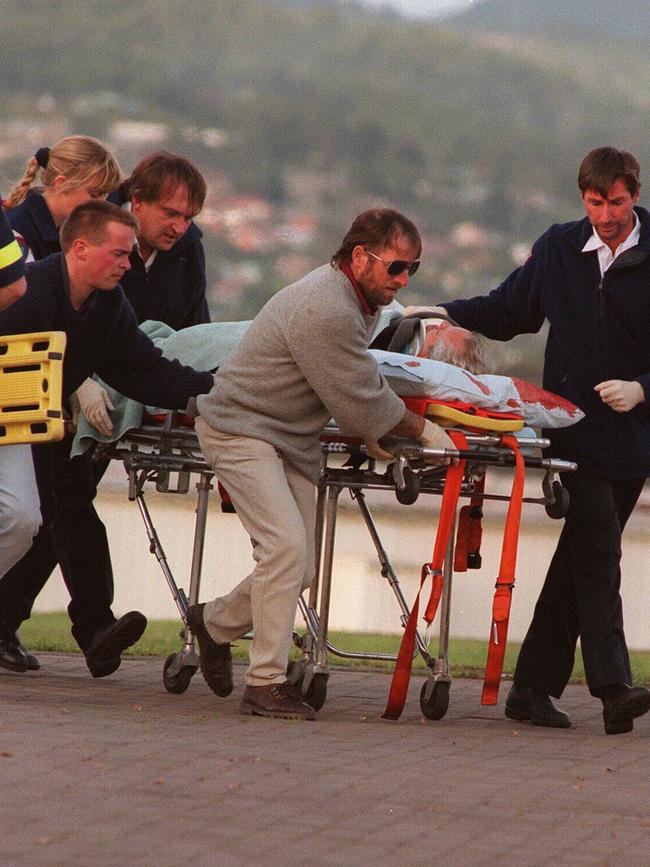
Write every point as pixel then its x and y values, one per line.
pixel 32 662
pixel 621 705
pixel 215 660
pixel 103 657
pixel 11 653
pixel 524 703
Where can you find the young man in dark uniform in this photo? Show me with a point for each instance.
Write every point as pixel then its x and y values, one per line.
pixel 78 292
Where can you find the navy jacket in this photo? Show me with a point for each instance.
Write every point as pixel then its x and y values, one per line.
pixel 102 337
pixel 173 291
pixel 599 330
pixel 34 223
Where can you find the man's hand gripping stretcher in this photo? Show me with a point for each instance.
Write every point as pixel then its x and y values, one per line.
pixel 433 436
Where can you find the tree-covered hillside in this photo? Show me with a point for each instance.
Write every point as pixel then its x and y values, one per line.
pixel 321 110
pixel 388 102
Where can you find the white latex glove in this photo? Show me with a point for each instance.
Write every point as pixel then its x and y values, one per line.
pixel 95 405
pixel 374 450
pixel 620 394
pixel 434 437
pixel 71 424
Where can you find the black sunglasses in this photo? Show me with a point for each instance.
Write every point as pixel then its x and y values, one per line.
pixel 397 266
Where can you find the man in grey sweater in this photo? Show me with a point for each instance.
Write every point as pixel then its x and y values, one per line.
pixel 303 360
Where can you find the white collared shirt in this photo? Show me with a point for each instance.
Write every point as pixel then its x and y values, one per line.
pixel 150 260
pixel 605 255
pixel 154 253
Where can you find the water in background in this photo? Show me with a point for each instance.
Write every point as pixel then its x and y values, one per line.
pixel 362 600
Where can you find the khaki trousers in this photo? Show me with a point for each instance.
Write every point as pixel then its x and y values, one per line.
pixel 277 506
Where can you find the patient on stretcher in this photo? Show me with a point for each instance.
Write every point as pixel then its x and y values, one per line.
pixel 450 366
pixel 434 337
pixel 442 341
pixel 454 345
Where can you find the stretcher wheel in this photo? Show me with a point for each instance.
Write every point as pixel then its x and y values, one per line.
pixel 435 706
pixel 177 683
pixel 560 505
pixel 317 692
pixel 409 494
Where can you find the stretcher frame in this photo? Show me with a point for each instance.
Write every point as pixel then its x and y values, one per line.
pixel 169 455
pixel 409 476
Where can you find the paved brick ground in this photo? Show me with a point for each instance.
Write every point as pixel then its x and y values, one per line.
pixel 119 772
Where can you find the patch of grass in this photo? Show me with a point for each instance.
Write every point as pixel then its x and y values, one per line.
pixel 466 656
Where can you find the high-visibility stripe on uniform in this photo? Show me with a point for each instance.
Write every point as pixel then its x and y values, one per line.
pixel 10 254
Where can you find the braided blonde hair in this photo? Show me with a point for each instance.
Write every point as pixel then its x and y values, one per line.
pixel 79 158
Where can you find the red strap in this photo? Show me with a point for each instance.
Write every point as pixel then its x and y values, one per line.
pixel 402 674
pixel 467 552
pixel 451 493
pixel 461 551
pixel 505 581
pixel 227 504
pixel 403 666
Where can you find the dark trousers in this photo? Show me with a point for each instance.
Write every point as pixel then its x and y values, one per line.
pixel 580 597
pixel 72 535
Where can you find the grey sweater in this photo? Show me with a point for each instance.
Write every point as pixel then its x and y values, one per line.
pixel 303 361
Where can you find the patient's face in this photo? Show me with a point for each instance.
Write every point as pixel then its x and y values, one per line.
pixel 378 286
pixel 455 345
pixel 452 335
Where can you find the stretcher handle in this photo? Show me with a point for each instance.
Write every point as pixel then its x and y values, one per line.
pixel 497 456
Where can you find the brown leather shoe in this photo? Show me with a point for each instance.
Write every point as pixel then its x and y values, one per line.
pixel 281 700
pixel 215 660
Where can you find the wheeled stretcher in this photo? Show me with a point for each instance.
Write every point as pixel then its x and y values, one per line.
pixel 165 451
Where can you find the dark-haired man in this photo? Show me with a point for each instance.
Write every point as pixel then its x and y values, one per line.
pixel 77 292
pixel 167 277
pixel 591 280
pixel 303 360
pixel 166 281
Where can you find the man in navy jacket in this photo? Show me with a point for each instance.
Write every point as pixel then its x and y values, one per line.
pixel 167 277
pixel 78 292
pixel 591 280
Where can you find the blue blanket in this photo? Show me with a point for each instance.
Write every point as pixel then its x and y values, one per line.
pixel 203 347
